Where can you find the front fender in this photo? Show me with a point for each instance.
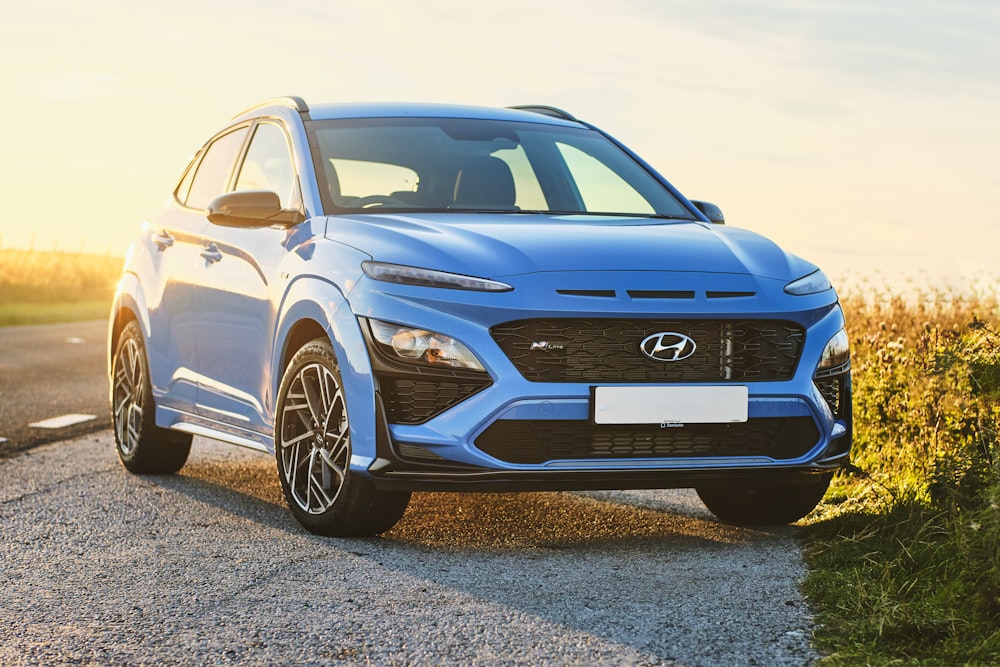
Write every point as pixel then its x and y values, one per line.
pixel 322 302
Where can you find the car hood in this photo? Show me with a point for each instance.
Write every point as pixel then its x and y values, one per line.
pixel 504 245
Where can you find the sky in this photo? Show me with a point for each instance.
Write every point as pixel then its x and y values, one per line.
pixel 861 135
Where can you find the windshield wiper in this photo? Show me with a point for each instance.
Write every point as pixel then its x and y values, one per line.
pixel 655 216
pixel 375 210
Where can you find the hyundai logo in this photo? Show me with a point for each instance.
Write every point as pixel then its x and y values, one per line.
pixel 668 346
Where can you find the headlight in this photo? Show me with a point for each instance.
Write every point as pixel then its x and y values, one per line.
pixel 814 283
pixel 836 355
pixel 409 275
pixel 418 346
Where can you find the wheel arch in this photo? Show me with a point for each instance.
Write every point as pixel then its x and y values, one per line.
pixel 316 308
pixel 128 305
pixel 302 332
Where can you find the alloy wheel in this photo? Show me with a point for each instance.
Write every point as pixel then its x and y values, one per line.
pixel 315 446
pixel 129 388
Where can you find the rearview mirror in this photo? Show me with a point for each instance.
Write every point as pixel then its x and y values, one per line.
pixel 711 211
pixel 251 208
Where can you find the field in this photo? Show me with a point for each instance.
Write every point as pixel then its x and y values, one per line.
pixel 43 287
pixel 904 552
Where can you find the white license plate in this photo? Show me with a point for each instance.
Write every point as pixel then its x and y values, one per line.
pixel 670 406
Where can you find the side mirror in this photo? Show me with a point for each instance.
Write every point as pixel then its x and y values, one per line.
pixel 711 211
pixel 251 208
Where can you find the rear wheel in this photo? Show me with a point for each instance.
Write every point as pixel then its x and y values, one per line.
pixel 762 505
pixel 142 446
pixel 313 452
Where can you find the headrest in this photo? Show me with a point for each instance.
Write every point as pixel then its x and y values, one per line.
pixel 484 181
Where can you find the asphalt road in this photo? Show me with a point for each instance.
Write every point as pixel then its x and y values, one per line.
pixel 49 371
pixel 208 567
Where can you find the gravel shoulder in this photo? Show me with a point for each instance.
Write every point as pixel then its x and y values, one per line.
pixel 208 567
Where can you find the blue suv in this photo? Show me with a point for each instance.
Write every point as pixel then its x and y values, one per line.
pixel 398 298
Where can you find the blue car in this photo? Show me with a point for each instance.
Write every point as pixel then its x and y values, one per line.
pixel 400 298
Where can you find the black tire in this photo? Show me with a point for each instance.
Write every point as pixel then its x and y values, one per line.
pixel 769 505
pixel 312 447
pixel 142 446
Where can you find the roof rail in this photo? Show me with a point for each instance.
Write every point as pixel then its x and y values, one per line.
pixel 546 111
pixel 293 101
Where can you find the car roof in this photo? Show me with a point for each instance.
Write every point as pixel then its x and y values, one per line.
pixel 332 111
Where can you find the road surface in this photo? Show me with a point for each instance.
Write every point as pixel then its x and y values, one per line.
pixel 208 567
pixel 51 371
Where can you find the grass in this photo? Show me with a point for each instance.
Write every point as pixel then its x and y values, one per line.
pixel 47 287
pixel 904 552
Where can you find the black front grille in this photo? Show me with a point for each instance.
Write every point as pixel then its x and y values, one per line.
pixel 533 442
pixel 608 350
pixel 415 400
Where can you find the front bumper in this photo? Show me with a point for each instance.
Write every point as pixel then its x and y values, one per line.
pixel 509 429
pixel 402 464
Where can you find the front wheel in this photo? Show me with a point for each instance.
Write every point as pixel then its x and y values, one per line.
pixel 764 505
pixel 313 451
pixel 143 447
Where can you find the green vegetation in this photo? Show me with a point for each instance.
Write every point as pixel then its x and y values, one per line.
pixel 905 551
pixel 45 287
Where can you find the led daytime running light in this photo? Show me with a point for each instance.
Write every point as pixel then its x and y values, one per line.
pixel 410 275
pixel 814 283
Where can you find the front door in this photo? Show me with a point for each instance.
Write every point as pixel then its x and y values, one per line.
pixel 237 293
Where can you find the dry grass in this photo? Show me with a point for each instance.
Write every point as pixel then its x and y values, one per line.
pixel 42 287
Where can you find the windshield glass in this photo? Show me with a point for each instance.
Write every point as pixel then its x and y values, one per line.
pixel 441 164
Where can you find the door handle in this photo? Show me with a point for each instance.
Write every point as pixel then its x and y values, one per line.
pixel 163 240
pixel 211 253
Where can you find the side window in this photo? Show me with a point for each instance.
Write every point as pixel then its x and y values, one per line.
pixel 212 176
pixel 268 166
pixel 602 190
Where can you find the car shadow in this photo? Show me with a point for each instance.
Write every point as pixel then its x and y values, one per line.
pixel 603 566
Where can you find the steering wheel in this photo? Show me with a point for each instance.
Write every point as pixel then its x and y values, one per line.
pixel 375 200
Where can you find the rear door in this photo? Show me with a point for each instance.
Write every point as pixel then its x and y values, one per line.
pixel 173 243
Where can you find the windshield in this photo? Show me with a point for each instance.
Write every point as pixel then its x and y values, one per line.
pixel 441 164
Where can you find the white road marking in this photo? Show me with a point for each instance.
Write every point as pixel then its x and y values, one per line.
pixel 63 421
pixel 73 340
